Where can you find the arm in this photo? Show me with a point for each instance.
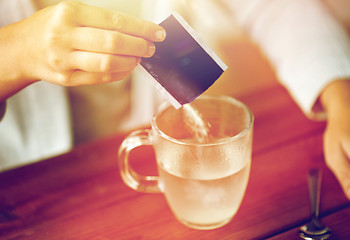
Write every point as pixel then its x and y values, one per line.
pixel 73 44
pixel 12 77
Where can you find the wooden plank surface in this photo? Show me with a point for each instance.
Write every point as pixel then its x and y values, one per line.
pixel 337 221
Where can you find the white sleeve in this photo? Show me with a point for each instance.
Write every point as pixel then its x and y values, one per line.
pixel 15 10
pixel 302 40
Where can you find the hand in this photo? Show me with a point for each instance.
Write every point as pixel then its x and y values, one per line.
pixel 75 44
pixel 336 101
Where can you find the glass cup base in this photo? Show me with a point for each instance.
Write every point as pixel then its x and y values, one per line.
pixel 209 226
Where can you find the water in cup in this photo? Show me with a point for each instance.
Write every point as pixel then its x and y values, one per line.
pixel 204 185
pixel 207 201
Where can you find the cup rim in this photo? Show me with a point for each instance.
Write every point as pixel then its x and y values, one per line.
pixel 226 98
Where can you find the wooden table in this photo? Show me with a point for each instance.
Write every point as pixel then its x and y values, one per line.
pixel 80 195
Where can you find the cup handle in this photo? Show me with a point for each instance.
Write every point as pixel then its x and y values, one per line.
pixel 149 184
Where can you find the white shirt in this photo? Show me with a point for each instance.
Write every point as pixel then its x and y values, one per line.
pixel 304 42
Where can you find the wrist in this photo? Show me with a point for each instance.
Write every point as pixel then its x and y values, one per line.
pixel 336 96
pixel 14 63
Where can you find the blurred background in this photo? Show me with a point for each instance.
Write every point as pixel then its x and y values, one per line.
pixel 96 109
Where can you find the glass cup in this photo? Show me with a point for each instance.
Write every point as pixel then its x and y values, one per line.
pixel 203 152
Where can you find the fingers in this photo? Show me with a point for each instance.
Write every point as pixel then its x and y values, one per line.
pixel 101 63
pixel 106 41
pixel 138 27
pixel 91 16
pixel 79 77
pixel 84 44
pixel 337 159
pixel 341 170
pixel 88 78
pixel 346 164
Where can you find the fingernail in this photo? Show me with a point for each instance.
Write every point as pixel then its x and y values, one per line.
pixel 160 35
pixel 151 50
